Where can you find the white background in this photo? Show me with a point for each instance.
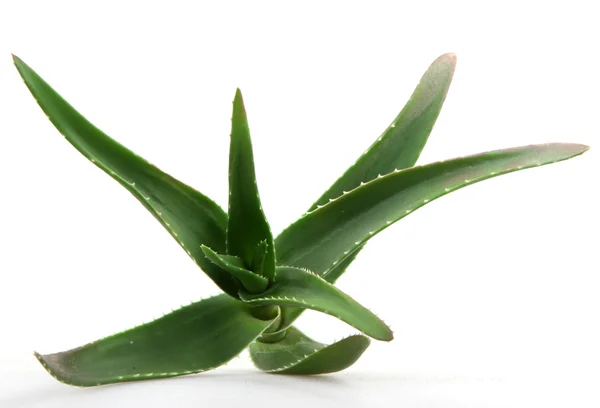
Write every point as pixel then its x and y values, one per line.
pixel 492 291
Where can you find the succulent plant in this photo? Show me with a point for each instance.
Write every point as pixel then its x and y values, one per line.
pixel 268 282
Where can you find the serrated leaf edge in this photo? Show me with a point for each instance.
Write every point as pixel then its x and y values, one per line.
pixel 137 377
pixel 299 303
pixel 295 363
pixel 447 190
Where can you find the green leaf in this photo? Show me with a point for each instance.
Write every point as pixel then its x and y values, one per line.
pixel 261 253
pixel 398 147
pixel 401 143
pixel 300 288
pixel 299 354
pixel 190 217
pixel 252 282
pixel 247 226
pixel 341 267
pixel 325 237
pixel 290 314
pixel 195 338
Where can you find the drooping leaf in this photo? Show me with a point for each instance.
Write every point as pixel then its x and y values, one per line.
pixel 398 147
pixel 299 354
pixel 252 282
pixel 290 314
pixel 300 288
pixel 190 217
pixel 325 237
pixel 247 226
pixel 195 338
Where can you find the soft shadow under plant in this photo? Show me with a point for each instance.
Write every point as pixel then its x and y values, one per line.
pixel 268 282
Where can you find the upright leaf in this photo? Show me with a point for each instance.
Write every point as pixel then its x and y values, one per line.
pixel 300 288
pixel 401 143
pixel 190 217
pixel 248 226
pixel 252 282
pixel 398 147
pixel 261 253
pixel 299 354
pixel 325 237
pixel 195 338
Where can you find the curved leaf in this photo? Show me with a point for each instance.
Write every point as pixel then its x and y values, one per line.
pixel 398 147
pixel 401 143
pixel 325 237
pixel 252 282
pixel 299 354
pixel 190 217
pixel 247 226
pixel 290 314
pixel 195 338
pixel 300 288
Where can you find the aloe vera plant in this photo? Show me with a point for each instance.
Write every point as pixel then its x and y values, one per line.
pixel 268 282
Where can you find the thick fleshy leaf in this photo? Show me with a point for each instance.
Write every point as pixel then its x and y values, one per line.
pixel 398 147
pixel 325 237
pixel 190 217
pixel 247 226
pixel 300 288
pixel 250 281
pixel 401 143
pixel 261 252
pixel 290 314
pixel 195 338
pixel 299 354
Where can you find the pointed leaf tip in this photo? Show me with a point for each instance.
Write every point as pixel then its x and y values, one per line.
pixel 233 265
pixel 189 216
pixel 568 150
pixel 348 222
pixel 398 147
pixel 247 225
pixel 295 287
pixel 195 338
pixel 401 143
pixel 238 102
pixel 19 64
pixel 580 147
pixel 449 57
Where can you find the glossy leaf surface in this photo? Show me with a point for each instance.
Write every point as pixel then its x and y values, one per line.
pixel 398 147
pixel 237 251
pixel 252 282
pixel 195 338
pixel 401 143
pixel 325 237
pixel 299 354
pixel 261 253
pixel 247 226
pixel 189 216
pixel 299 288
pixel 290 314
